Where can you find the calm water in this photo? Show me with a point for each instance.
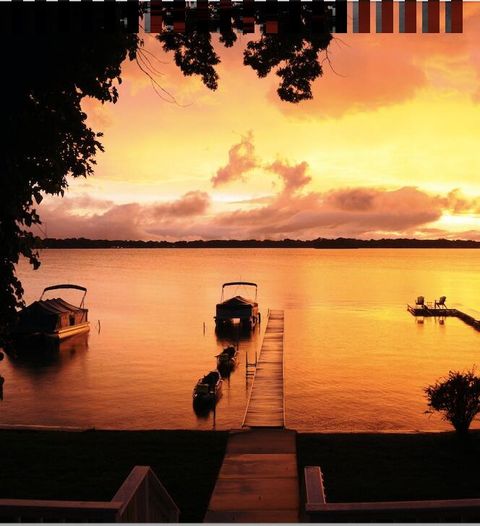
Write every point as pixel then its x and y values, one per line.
pixel 354 358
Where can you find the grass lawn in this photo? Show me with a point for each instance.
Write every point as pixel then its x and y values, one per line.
pixel 372 467
pixel 92 465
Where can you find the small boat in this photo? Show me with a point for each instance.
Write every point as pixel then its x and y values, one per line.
pixel 237 308
pixel 227 359
pixel 48 320
pixel 208 389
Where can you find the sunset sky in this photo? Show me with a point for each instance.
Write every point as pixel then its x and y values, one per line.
pixel 388 147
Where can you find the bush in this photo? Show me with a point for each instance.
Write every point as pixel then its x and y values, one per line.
pixel 458 397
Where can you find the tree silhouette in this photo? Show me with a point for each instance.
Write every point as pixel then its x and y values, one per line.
pixel 293 53
pixel 194 54
pixel 457 397
pixel 47 136
pixel 298 56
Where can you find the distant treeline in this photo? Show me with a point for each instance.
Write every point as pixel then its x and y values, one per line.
pixel 340 242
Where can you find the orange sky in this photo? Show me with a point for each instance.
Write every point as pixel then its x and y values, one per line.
pixel 388 147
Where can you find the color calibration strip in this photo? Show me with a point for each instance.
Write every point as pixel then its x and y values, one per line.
pixel 340 16
pixel 248 16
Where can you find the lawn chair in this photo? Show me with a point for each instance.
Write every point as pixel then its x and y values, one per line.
pixel 420 302
pixel 441 302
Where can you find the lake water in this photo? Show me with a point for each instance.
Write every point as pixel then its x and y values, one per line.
pixel 355 359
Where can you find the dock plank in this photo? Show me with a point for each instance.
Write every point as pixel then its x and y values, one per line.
pixel 266 406
pixel 258 480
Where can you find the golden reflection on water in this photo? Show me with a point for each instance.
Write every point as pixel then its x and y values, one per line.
pixel 354 358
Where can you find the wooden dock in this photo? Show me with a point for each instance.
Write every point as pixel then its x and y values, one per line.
pixel 266 406
pixel 258 481
pixel 444 313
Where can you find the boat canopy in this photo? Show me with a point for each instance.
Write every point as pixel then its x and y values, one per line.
pixel 237 301
pixel 248 283
pixel 49 315
pixel 66 286
pixel 241 283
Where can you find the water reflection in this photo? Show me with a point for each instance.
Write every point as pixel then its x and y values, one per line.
pixel 236 337
pixel 233 343
pixel 234 333
pixel 52 355
pixel 204 414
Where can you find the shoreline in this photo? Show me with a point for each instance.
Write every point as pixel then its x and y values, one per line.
pixel 77 429
pixel 319 243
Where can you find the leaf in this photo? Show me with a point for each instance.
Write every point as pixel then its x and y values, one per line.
pixel 38 196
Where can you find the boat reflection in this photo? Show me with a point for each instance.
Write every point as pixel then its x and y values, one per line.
pixel 56 353
pixel 233 333
pixel 245 344
pixel 235 327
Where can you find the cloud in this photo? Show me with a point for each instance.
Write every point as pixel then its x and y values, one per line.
pixel 337 213
pixel 294 177
pixel 191 204
pixel 362 212
pixel 360 199
pixel 70 217
pixel 241 159
pixel 457 203
pixel 293 211
pixel 367 72
pixel 118 222
pixel 86 202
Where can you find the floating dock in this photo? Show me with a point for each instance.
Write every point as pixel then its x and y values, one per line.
pixel 444 312
pixel 266 404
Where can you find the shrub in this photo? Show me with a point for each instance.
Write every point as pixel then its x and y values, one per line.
pixel 458 397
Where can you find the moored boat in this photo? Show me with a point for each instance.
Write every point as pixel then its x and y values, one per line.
pixel 227 359
pixel 51 319
pixel 208 389
pixel 237 307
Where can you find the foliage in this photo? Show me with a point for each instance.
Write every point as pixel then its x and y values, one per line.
pixel 194 54
pixel 299 57
pixel 47 136
pixel 293 54
pixel 458 397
